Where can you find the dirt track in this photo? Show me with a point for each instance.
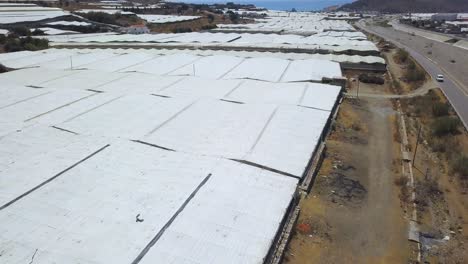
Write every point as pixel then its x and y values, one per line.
pixel 353 210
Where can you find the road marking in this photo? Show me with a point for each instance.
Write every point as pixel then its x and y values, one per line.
pixel 457 83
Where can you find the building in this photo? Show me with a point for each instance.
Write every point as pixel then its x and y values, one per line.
pixel 444 17
pixel 138 29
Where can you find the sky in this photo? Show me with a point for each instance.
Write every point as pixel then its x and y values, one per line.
pixel 278 4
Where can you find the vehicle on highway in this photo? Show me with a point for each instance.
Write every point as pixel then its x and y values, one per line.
pixel 440 78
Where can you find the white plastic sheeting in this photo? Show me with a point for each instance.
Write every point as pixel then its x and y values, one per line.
pixel 85 152
pixel 36 58
pixel 36 154
pixel 310 70
pixel 204 66
pixel 342 42
pixel 313 95
pixel 31 76
pixel 69 23
pixel 164 64
pixel 10 15
pixel 277 145
pixel 267 69
pixel 88 214
pixel 119 62
pixel 242 54
pixel 161 19
pixel 258 133
pixel 291 23
pixel 115 118
pixel 54 31
pixel 182 64
pixel 107 11
pixel 252 197
pixel 30 109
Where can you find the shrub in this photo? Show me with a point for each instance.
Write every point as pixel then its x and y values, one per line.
pixel 460 166
pixel 38 32
pixel 27 43
pixel 21 31
pixel 438 145
pixel 211 18
pixel 443 126
pixel 366 78
pixel 401 181
pixel 233 16
pixel 440 109
pixel 101 17
pixel 208 27
pixel 13 45
pixel 401 56
pixel 181 30
pixel 414 73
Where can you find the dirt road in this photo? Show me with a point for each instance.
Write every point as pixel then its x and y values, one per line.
pixel 353 210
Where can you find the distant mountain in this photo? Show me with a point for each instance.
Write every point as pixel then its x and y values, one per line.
pixel 405 6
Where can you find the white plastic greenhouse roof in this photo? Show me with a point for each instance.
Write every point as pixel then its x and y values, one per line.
pixel 182 64
pixel 87 215
pixel 292 24
pixel 325 42
pixel 15 14
pixel 117 158
pixel 69 23
pixel 85 53
pixel 54 31
pixel 107 11
pixel 161 19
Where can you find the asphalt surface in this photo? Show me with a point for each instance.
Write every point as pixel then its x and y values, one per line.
pixel 436 58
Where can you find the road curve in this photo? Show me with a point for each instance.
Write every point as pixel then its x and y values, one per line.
pixel 455 91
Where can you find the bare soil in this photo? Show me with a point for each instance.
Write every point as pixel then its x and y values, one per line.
pixel 441 195
pixel 353 209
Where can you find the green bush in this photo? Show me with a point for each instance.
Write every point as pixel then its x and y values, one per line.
pixel 181 30
pixel 440 109
pixel 28 43
pixel 366 78
pixel 233 16
pixel 101 17
pixel 402 55
pixel 208 27
pixel 460 166
pixel 211 18
pixel 414 73
pixel 443 126
pixel 38 32
pixel 3 39
pixel 21 31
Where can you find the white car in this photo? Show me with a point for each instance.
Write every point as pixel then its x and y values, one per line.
pixel 440 78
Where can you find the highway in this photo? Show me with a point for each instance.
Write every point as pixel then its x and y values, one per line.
pixel 455 86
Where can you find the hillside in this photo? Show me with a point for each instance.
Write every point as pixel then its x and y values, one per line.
pixel 404 6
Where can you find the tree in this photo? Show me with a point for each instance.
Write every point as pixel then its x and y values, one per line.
pixel 21 31
pixel 233 16
pixel 211 18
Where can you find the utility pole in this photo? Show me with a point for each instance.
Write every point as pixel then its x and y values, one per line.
pixel 358 87
pixel 417 143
